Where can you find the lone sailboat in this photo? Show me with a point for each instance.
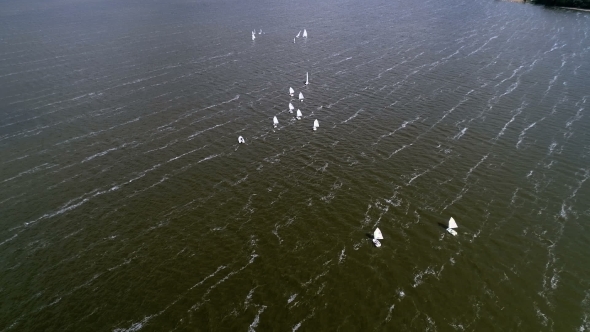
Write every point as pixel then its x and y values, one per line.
pixel 291 91
pixel 300 96
pixel 306 78
pixel 253 36
pixel 291 108
pixel 452 224
pixel 241 140
pixel 376 237
pixel 299 115
pixel 275 122
pixel 304 33
pixel 316 125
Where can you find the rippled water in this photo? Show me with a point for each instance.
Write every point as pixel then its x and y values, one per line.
pixel 127 204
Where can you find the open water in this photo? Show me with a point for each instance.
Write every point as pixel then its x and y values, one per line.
pixel 126 203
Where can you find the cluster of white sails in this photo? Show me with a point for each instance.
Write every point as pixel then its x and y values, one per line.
pixel 299 34
pixel 377 235
pixel 275 120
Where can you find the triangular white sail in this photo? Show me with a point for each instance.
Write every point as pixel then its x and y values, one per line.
pixel 377 234
pixel 253 37
pixel 241 140
pixel 293 40
pixel 304 33
pixel 291 108
pixel 316 123
pixel 306 78
pixel 452 223
pixel 298 34
pixel 275 121
pixel 299 115
pixel 291 91
pixel 300 96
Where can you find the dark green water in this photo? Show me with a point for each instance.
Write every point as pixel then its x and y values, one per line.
pixel 127 204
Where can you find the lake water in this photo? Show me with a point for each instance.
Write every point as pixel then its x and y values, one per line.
pixel 127 204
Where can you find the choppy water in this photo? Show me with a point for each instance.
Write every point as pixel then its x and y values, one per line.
pixel 127 204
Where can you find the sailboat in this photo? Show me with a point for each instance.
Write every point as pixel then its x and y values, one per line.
pixel 376 237
pixel 299 33
pixel 291 108
pixel 291 91
pixel 293 40
pixel 304 33
pixel 306 78
pixel 316 124
pixel 260 32
pixel 275 122
pixel 241 140
pixel 300 96
pixel 452 224
pixel 253 36
pixel 299 115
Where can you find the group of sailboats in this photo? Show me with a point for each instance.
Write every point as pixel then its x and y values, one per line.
pixel 299 34
pixel 316 123
pixel 377 235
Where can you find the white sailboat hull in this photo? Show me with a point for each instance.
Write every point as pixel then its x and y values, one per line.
pixel 452 231
pixel 376 243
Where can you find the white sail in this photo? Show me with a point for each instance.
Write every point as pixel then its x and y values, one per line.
pixel 291 108
pixel 304 33
pixel 293 40
pixel 291 91
pixel 316 123
pixel 275 121
pixel 299 115
pixel 306 78
pixel 253 37
pixel 377 234
pixel 241 140
pixel 260 32
pixel 300 96
pixel 452 223
pixel 299 33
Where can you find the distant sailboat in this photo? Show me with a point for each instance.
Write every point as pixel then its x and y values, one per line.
pixel 253 35
pixel 316 124
pixel 291 91
pixel 306 78
pixel 291 108
pixel 299 115
pixel 275 122
pixel 304 33
pixel 299 33
pixel 452 224
pixel 260 32
pixel 293 40
pixel 241 140
pixel 376 237
pixel 300 96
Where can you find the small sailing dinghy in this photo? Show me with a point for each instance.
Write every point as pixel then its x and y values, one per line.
pixel 298 34
pixel 376 237
pixel 241 140
pixel 300 96
pixel 306 78
pixel 291 108
pixel 316 125
pixel 291 91
pixel 275 122
pixel 253 36
pixel 299 115
pixel 304 33
pixel 452 224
